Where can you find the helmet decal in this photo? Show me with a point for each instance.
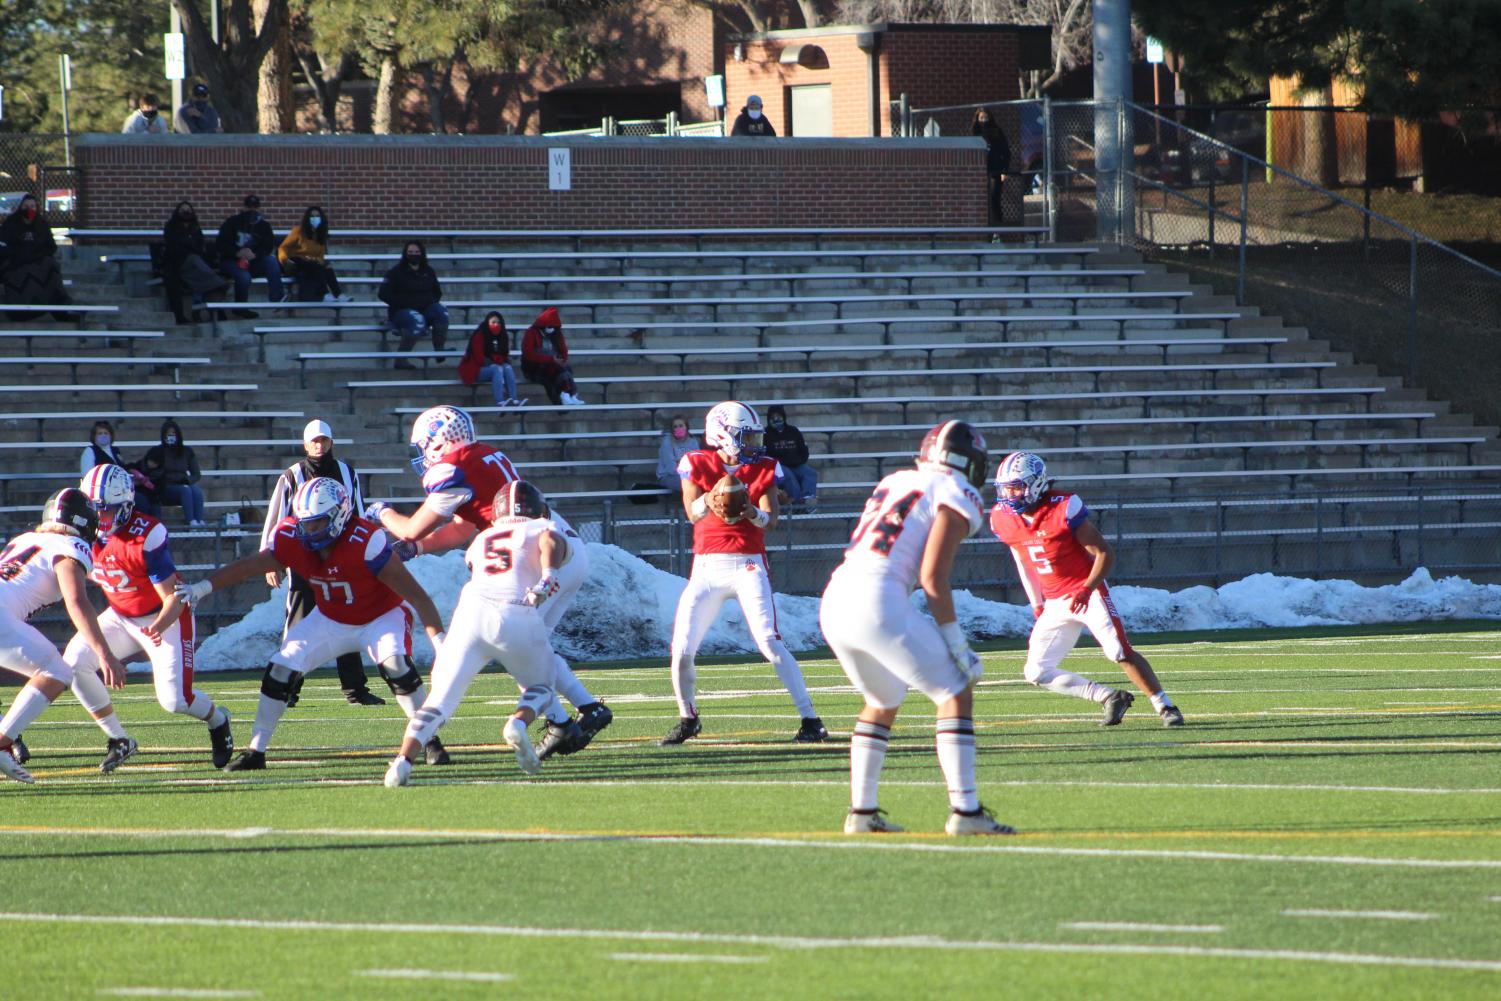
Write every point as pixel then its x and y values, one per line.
pixel 957 446
pixel 436 431
pixel 734 430
pixel 112 493
pixel 322 509
pixel 1022 469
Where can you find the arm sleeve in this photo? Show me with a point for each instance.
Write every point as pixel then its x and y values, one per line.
pixel 195 473
pixel 288 247
pixel 355 493
pixel 377 552
pixel 666 460
pixel 158 555
pixel 276 509
pixel 1076 512
pixel 385 289
pixel 800 454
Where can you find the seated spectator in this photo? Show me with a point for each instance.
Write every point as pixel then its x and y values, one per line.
pixel 187 275
pixel 676 443
pixel 247 247
pixel 413 297
pixel 146 118
pixel 173 467
pixel 29 275
pixel 197 114
pixel 544 358
pixel 751 121
pixel 785 444
pixel 101 451
pixel 303 258
pixel 488 357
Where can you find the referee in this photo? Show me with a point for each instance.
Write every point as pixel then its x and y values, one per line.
pixel 318 444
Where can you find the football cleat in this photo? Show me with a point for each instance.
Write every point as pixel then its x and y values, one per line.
pixel 1115 707
pixel 517 740
pixel 436 753
pixel 1171 716
pixel 118 749
pixel 21 752
pixel 875 822
pixel 362 697
pixel 10 766
pixel 223 742
pixel 594 717
pixel 399 772
pixel 811 731
pixel 248 761
pixel 956 446
pixel 982 821
pixel 686 727
pixel 563 738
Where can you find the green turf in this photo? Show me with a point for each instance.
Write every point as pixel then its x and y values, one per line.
pixel 1340 770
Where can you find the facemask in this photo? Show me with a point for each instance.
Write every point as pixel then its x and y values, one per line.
pixel 753 112
pixel 314 221
pixel 414 259
pixel 171 439
pixel 495 326
pixel 29 212
pixel 149 112
pixel 777 423
pixel 680 433
pixel 102 439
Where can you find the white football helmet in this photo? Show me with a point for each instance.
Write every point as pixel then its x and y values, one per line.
pixel 436 431
pixel 735 430
pixel 112 493
pixel 322 509
pixel 1022 469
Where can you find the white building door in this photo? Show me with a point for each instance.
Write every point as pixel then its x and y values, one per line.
pixel 812 110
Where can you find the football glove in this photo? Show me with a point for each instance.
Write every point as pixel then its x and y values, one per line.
pixel 403 549
pixel 191 594
pixel 965 659
pixel 541 591
pixel 372 511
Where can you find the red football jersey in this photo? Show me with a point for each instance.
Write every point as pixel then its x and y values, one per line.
pixel 345 585
pixel 474 473
pixel 710 533
pixel 1059 564
pixel 128 563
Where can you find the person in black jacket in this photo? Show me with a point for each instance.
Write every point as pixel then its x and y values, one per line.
pixel 29 274
pixel 247 247
pixel 186 271
pixel 752 121
pixel 785 444
pixel 997 161
pixel 173 467
pixel 413 297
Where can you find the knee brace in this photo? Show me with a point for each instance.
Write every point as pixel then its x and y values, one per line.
pixel 278 682
pixel 400 674
pixel 536 698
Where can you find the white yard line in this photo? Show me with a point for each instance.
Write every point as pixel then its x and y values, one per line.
pixel 681 957
pixel 1371 915
pixel 1139 926
pixel 481 978
pixel 916 942
pixel 174 992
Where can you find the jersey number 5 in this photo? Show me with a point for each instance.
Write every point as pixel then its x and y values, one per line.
pixel 886 527
pixel 498 558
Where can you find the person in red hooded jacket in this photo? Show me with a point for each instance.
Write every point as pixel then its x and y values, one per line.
pixel 488 357
pixel 544 358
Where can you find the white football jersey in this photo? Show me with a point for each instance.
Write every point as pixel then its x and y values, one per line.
pixel 893 530
pixel 506 559
pixel 28 571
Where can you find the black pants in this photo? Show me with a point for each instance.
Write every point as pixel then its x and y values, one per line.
pixel 313 279
pixel 555 380
pixel 351 666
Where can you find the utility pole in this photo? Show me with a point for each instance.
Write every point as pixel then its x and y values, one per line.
pixel 1114 196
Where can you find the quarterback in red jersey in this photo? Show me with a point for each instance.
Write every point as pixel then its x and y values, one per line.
pixel 729 560
pixel 364 600
pixel 133 566
pixel 1063 559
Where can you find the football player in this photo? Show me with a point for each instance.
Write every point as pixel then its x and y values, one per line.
pixel 364 600
pixel 133 566
pixel 50 562
pixel 1063 559
pixel 729 560
pixel 461 477
pixel 514 568
pixel 907 537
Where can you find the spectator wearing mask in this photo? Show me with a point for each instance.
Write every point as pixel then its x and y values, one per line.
pixel 101 451
pixel 186 273
pixel 785 444
pixel 752 121
pixel 29 274
pixel 145 119
pixel 544 358
pixel 488 358
pixel 676 443
pixel 173 467
pixel 413 297
pixel 997 161
pixel 247 247
pixel 197 115
pixel 303 258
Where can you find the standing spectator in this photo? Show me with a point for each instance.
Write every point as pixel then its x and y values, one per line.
pixel 751 121
pixel 29 274
pixel 146 118
pixel 197 114
pixel 318 452
pixel 173 467
pixel 247 247
pixel 413 297
pixel 997 161
pixel 488 357
pixel 544 358
pixel 785 443
pixel 101 451
pixel 303 257
pixel 186 271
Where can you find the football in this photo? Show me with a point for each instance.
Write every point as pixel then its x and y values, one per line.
pixel 729 499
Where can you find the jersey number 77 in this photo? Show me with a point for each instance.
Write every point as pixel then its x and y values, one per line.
pixel 884 526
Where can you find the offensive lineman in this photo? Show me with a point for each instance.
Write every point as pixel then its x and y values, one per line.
pixel 1063 559
pixel 907 537
pixel 133 566
pixel 461 477
pixel 513 566
pixel 364 600
pixel 38 567
pixel 729 559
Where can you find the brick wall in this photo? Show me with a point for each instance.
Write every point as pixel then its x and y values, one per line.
pixel 940 65
pixel 369 182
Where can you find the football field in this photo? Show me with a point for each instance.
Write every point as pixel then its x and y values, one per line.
pixel 1327 825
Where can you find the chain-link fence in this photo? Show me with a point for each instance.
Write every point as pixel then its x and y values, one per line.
pixel 38 164
pixel 668 126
